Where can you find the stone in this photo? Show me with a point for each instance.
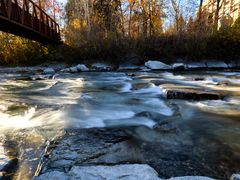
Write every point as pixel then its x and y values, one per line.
pixel 49 71
pixel 233 64
pixel 157 65
pixel 41 77
pixel 199 79
pixel 179 66
pixel 126 172
pixel 166 128
pixel 103 150
pixel 196 65
pixel 191 178
pixel 73 69
pixel 125 67
pixel 56 175
pixel 66 70
pixel 101 67
pixel 6 163
pixel 235 177
pixel 82 67
pixel 216 64
pixel 188 93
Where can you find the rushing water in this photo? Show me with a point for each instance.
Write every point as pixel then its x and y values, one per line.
pixel 33 112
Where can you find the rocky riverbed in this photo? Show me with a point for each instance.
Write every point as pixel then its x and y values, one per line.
pixel 119 124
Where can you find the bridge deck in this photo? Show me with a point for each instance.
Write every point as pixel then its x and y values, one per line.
pixel 26 19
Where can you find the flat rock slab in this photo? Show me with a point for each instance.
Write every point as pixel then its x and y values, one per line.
pixel 92 147
pixel 188 93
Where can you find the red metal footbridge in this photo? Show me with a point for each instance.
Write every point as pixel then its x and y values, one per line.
pixel 27 19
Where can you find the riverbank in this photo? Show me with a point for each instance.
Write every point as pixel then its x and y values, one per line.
pixel 150 65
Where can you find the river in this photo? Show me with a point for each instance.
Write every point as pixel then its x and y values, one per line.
pixel 32 112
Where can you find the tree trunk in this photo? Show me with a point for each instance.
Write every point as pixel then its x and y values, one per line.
pixel 216 17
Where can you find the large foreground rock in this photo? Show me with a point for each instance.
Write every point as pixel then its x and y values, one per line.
pixel 126 172
pixel 128 153
pixel 157 65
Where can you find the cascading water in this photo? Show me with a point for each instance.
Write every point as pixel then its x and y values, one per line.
pixel 33 112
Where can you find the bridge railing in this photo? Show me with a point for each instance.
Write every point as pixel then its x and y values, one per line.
pixel 28 14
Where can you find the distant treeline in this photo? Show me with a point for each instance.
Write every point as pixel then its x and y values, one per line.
pixel 111 30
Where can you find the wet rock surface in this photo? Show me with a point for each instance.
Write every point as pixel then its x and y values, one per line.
pixel 126 172
pixel 178 92
pixel 7 161
pixel 129 153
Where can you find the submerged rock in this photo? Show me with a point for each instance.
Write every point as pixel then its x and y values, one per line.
pixel 199 79
pixel 166 128
pixel 41 77
pixel 157 65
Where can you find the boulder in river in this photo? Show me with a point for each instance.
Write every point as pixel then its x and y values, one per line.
pixel 157 65
pixel 234 65
pixel 235 177
pixel 101 67
pixel 179 66
pixel 216 64
pixel 73 69
pixel 82 67
pixel 179 92
pixel 196 65
pixel 49 71
pixel 191 178
pixel 7 164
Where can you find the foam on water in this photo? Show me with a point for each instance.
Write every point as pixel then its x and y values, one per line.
pixel 159 106
pixel 153 89
pixel 127 87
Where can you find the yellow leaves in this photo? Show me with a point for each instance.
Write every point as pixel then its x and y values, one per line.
pixel 15 50
pixel 76 23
